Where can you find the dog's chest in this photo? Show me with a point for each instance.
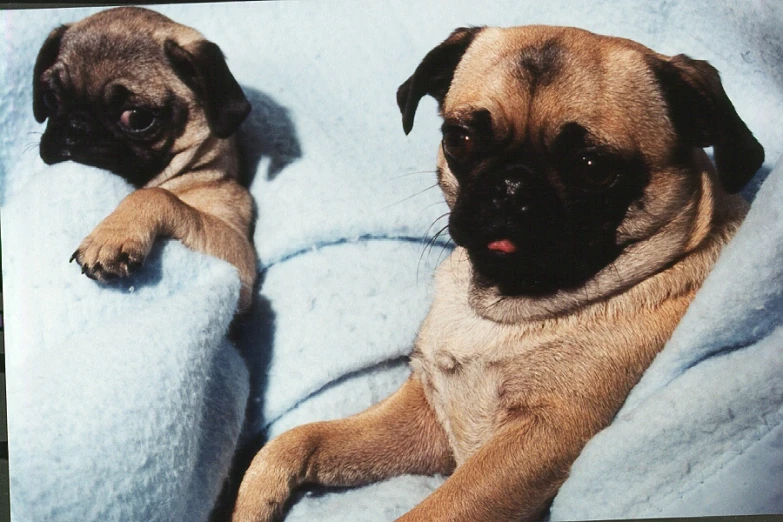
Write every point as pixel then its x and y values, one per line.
pixel 477 373
pixel 466 398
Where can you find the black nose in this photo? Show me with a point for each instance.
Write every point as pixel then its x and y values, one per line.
pixel 512 190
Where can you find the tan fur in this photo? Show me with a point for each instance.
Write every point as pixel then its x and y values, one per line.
pixel 196 199
pixel 509 389
pixel 208 216
pixel 398 435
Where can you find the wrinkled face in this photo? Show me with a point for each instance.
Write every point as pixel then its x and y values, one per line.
pixel 112 105
pixel 556 156
pixel 538 217
pixel 127 89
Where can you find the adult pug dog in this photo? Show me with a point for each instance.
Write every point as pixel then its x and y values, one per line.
pixel 587 216
pixel 131 91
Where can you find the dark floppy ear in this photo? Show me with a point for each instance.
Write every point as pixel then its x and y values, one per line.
pixel 203 68
pixel 434 74
pixel 703 116
pixel 46 58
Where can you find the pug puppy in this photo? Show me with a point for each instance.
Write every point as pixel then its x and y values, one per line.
pixel 130 91
pixel 586 215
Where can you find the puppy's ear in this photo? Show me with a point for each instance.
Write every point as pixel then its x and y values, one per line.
pixel 46 58
pixel 203 68
pixel 703 116
pixel 434 74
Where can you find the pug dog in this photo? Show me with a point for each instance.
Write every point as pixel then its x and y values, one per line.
pixel 131 91
pixel 586 216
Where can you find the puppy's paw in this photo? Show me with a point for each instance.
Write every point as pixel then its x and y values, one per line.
pixel 109 253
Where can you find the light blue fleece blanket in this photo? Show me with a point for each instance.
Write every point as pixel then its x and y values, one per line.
pixel 126 403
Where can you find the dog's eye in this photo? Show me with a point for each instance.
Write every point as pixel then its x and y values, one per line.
pixel 458 143
pixel 593 172
pixel 51 101
pixel 137 120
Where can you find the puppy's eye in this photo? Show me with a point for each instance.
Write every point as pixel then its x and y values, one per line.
pixel 593 172
pixel 51 101
pixel 458 143
pixel 137 120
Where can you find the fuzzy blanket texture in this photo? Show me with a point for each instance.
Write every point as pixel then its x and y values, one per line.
pixel 127 402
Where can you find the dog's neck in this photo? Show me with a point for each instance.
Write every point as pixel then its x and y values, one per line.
pixel 648 271
pixel 212 159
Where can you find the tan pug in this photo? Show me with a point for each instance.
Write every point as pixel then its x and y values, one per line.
pixel 131 91
pixel 586 216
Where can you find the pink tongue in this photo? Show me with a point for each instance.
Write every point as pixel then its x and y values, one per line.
pixel 504 245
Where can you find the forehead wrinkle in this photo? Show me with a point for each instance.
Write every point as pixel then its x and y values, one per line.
pixel 576 94
pixel 597 86
pixel 491 93
pixel 552 110
pixel 540 63
pixel 99 60
pixel 484 71
pixel 115 49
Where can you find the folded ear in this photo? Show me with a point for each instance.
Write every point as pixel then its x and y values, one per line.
pixel 46 58
pixel 434 74
pixel 703 116
pixel 203 68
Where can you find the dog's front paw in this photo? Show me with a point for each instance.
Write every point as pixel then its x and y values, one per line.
pixel 262 496
pixel 111 252
pixel 268 483
pixel 263 510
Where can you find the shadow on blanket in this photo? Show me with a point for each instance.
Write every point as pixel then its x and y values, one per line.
pixel 753 186
pixel 267 133
pixel 257 325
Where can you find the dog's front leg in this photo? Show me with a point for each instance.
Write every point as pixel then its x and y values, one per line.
pixel 121 242
pixel 397 436
pixel 510 478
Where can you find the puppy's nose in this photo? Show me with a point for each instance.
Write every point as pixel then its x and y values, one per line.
pixel 77 131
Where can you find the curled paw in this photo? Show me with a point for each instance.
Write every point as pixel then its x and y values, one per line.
pixel 109 259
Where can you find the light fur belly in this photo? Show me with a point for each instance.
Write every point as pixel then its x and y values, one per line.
pixel 465 398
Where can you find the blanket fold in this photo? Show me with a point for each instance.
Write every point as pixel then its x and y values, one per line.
pixel 121 399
